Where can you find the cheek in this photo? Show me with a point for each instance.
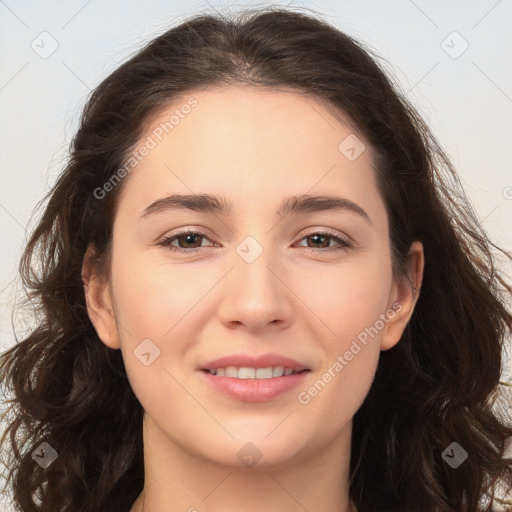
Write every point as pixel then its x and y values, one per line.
pixel 341 385
pixel 349 299
pixel 151 297
pixel 148 306
pixel 354 305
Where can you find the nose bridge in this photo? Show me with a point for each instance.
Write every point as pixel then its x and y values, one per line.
pixel 254 266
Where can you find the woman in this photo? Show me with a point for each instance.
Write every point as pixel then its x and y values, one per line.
pixel 192 353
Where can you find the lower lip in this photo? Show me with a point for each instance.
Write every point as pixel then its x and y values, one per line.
pixel 254 390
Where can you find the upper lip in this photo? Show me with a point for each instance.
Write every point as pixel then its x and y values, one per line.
pixel 254 361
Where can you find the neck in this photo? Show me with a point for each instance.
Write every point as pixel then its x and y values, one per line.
pixel 176 480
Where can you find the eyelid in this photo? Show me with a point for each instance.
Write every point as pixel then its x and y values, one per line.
pixel 327 231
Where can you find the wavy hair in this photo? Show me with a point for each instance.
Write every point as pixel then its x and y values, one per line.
pixel 439 384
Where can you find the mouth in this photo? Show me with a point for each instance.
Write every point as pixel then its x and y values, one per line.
pixel 245 372
pixel 248 384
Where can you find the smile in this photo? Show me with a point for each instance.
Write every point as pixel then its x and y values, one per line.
pixel 245 372
pixel 246 383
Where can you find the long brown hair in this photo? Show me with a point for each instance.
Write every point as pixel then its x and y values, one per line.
pixel 436 386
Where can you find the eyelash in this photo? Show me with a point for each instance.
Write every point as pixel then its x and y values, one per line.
pixel 166 242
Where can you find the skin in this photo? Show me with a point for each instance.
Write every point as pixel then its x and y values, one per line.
pixel 255 147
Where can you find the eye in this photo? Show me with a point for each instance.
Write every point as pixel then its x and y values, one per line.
pixel 190 237
pixel 317 236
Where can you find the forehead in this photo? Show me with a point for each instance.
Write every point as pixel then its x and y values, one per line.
pixel 249 117
pixel 252 141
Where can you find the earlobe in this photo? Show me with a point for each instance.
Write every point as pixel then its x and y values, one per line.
pixel 99 302
pixel 404 296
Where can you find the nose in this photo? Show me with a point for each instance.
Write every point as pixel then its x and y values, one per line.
pixel 255 294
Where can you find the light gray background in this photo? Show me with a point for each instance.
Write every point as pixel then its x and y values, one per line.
pixel 466 97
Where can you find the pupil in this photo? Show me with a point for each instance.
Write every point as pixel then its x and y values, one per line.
pixel 316 239
pixel 188 236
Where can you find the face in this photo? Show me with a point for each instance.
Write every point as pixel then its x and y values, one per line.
pixel 308 288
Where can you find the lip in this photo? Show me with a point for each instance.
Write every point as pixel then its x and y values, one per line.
pixel 254 390
pixel 254 361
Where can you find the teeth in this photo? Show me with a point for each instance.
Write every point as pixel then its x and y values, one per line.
pixel 245 372
pixel 231 371
pixel 277 371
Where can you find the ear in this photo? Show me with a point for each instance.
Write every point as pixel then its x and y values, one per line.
pixel 98 298
pixel 403 297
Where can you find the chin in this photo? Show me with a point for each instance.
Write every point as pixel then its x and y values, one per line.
pixel 253 453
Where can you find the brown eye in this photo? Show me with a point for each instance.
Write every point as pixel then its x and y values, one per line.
pixel 193 240
pixel 322 238
pixel 186 238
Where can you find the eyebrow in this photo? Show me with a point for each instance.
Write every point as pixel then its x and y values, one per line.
pixel 212 203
